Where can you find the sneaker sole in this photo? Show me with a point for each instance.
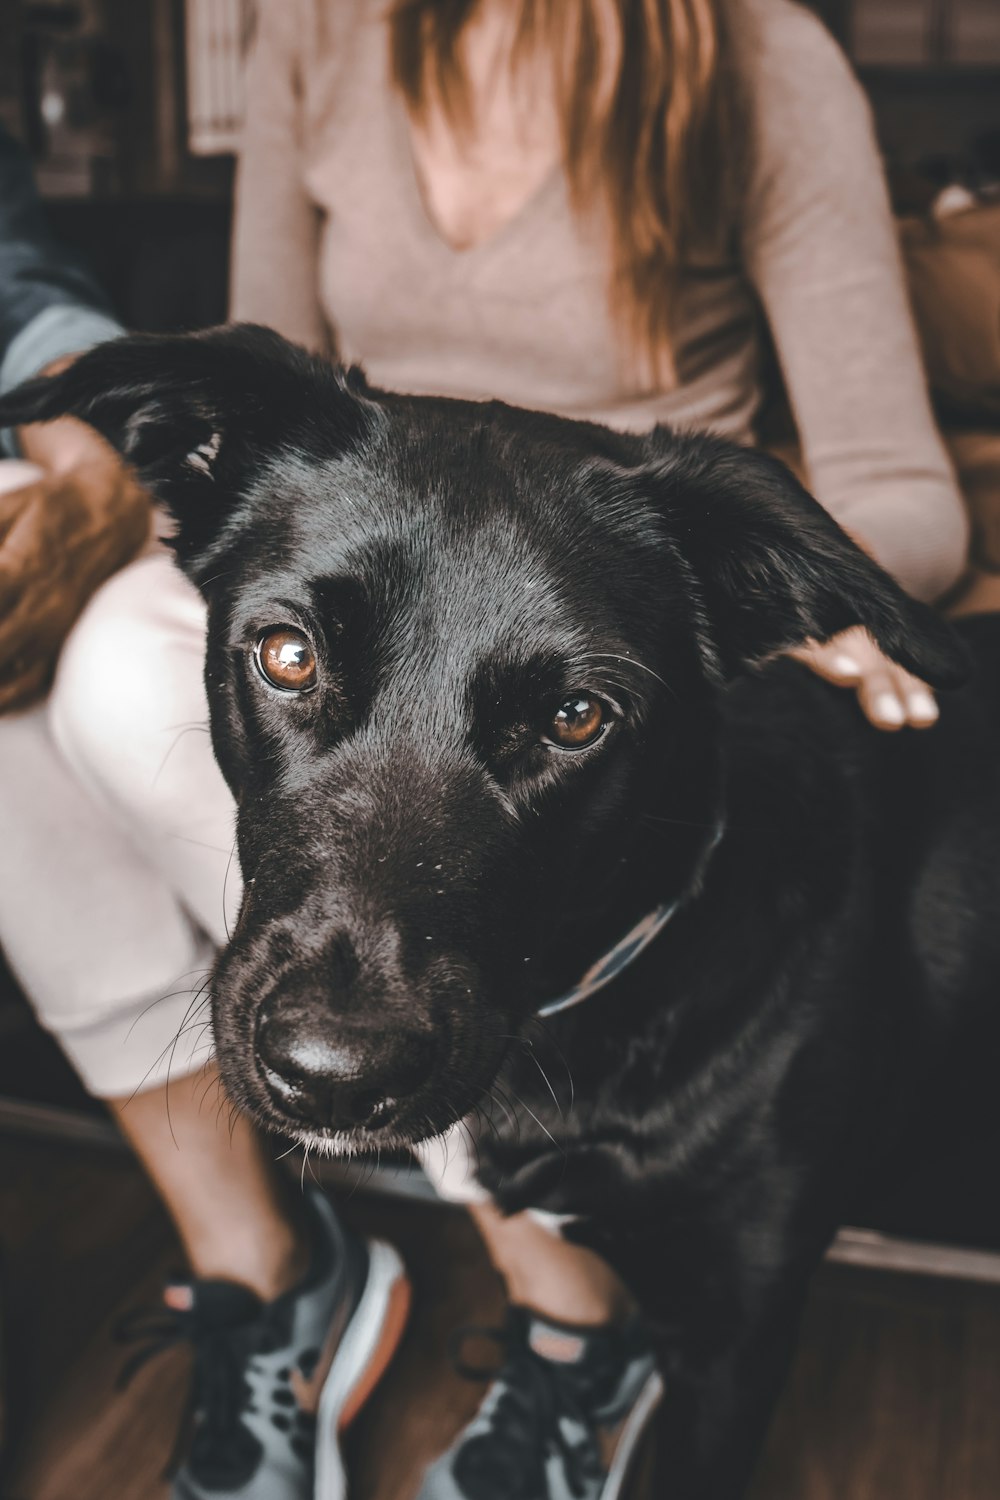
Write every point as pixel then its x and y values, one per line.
pixel 633 1428
pixel 363 1356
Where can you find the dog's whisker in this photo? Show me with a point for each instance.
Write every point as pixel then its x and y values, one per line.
pixel 188 1020
pixel 494 1090
pixel 170 1046
pixel 545 1077
pixel 491 1116
pixel 225 885
pixel 196 1029
pixel 551 1040
pixel 215 577
pixel 544 1128
pixel 632 661
pixel 485 1121
pixel 183 838
pixel 188 729
pixel 193 1020
pixel 213 1081
pixel 172 995
pixel 473 1144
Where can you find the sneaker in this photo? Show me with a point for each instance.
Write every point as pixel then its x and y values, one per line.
pixel 270 1376
pixel 561 1418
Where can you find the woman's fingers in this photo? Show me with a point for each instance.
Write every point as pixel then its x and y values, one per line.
pixel 921 706
pixel 881 700
pixel 889 697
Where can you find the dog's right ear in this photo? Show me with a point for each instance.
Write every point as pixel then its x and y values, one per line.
pixel 195 413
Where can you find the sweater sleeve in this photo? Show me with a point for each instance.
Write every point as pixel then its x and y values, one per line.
pixel 49 305
pixel 821 249
pixel 274 268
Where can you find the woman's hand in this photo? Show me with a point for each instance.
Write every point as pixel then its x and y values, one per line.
pixel 60 538
pixel 889 697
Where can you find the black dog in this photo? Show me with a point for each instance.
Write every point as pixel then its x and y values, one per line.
pixel 486 687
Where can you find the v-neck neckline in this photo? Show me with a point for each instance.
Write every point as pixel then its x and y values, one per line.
pixel 419 206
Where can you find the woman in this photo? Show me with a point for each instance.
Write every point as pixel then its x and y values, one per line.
pixel 596 228
pixel 583 206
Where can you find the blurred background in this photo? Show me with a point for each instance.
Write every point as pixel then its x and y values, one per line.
pixel 131 109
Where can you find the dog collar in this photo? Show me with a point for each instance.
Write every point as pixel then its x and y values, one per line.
pixel 635 941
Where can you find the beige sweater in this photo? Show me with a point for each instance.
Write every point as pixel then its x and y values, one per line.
pixel 333 246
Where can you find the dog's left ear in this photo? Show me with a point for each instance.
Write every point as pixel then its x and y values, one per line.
pixel 194 413
pixel 774 569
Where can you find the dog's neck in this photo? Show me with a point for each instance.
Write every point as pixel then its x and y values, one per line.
pixel 638 938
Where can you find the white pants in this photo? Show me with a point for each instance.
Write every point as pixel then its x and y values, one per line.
pixel 116 836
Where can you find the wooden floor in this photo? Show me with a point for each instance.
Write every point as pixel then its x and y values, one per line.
pixel 896 1394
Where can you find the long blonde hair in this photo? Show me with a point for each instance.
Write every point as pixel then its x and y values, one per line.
pixel 660 146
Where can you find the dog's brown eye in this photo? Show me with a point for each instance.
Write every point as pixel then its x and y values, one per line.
pixel 578 722
pixel 287 660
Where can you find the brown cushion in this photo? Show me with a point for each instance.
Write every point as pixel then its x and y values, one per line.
pixel 953 266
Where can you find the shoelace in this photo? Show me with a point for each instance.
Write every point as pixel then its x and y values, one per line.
pixel 527 1420
pixel 218 1394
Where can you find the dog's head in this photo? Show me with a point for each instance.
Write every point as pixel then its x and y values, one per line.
pixel 453 649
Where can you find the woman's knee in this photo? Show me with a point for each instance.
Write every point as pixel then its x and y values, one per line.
pixel 129 683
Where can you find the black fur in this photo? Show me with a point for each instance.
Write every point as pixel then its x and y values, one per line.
pixel 422 872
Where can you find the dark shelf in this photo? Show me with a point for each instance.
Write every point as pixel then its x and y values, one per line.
pixel 182 198
pixel 932 75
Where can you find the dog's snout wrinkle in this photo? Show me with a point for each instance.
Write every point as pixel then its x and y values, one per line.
pixel 342 962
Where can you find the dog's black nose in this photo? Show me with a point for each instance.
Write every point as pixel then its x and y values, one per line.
pixel 335 1079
